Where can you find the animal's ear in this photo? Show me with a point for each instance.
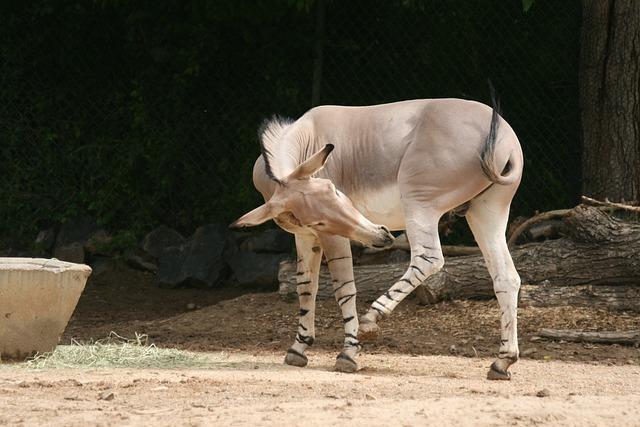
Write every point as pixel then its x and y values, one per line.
pixel 312 165
pixel 256 217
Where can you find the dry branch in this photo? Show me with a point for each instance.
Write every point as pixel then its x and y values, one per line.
pixel 607 203
pixel 602 337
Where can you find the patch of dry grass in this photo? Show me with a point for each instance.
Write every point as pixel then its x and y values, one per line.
pixel 119 352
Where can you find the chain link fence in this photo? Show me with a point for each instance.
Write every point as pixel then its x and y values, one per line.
pixel 140 114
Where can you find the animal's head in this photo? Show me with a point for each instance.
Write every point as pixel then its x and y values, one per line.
pixel 301 200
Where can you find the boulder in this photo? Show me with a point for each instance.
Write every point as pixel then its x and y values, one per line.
pixel 161 238
pixel 71 239
pixel 170 267
pixel 199 262
pixel 139 262
pixel 271 241
pixel 256 269
pixel 72 252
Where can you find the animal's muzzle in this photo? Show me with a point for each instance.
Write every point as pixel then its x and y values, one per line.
pixel 385 238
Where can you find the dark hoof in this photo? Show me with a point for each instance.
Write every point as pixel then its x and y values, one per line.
pixel 368 331
pixel 497 374
pixel 294 358
pixel 345 364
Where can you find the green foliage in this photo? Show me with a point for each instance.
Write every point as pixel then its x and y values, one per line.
pixel 526 5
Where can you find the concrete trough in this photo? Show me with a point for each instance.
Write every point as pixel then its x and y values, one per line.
pixel 37 299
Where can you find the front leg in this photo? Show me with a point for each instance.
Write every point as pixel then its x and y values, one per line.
pixel 309 257
pixel 338 253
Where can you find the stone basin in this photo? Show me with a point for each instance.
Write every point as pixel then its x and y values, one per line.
pixel 37 298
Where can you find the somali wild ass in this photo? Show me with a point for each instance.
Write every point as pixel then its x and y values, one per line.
pixel 340 173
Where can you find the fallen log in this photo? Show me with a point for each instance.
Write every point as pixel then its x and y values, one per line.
pixel 601 337
pixel 596 264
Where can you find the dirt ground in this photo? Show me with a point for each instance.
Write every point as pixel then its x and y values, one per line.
pixel 428 368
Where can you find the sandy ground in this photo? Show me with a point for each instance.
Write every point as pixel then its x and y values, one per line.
pixel 428 368
pixel 389 390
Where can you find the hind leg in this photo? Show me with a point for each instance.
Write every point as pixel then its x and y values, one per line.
pixel 487 217
pixel 426 259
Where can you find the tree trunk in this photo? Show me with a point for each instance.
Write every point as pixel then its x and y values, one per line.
pixel 610 98
pixel 597 264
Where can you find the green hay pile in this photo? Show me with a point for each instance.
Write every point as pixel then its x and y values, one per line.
pixel 118 352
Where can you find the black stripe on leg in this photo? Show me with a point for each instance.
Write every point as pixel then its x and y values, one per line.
pixel 427 258
pixel 336 289
pixel 338 258
pixel 388 296
pixel 303 312
pixel 305 339
pixel 377 309
pixel 415 267
pixel 303 294
pixel 302 326
pixel 406 281
pixel 306 282
pixel 344 299
pixel 348 319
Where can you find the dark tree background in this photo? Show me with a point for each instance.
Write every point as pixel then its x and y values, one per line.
pixel 141 113
pixel 610 98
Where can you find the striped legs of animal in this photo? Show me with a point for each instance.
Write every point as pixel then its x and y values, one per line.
pixel 487 217
pixel 426 259
pixel 338 254
pixel 309 257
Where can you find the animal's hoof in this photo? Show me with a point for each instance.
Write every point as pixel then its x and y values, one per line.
pixel 295 358
pixel 345 364
pixel 496 373
pixel 368 331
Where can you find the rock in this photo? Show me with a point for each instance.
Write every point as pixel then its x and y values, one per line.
pixel 101 265
pixel 453 349
pixel 75 230
pixel 478 338
pixel 170 267
pixel 106 395
pixel 543 393
pixel 71 239
pixel 72 252
pixel 204 260
pixel 270 241
pixel 161 238
pixel 530 351
pixel 136 261
pixel 191 306
pixel 535 338
pixel 45 240
pixel 199 262
pixel 257 269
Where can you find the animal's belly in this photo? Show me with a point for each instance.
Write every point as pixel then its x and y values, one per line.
pixel 382 206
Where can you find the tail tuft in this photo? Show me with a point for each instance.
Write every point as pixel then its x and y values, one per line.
pixel 487 158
